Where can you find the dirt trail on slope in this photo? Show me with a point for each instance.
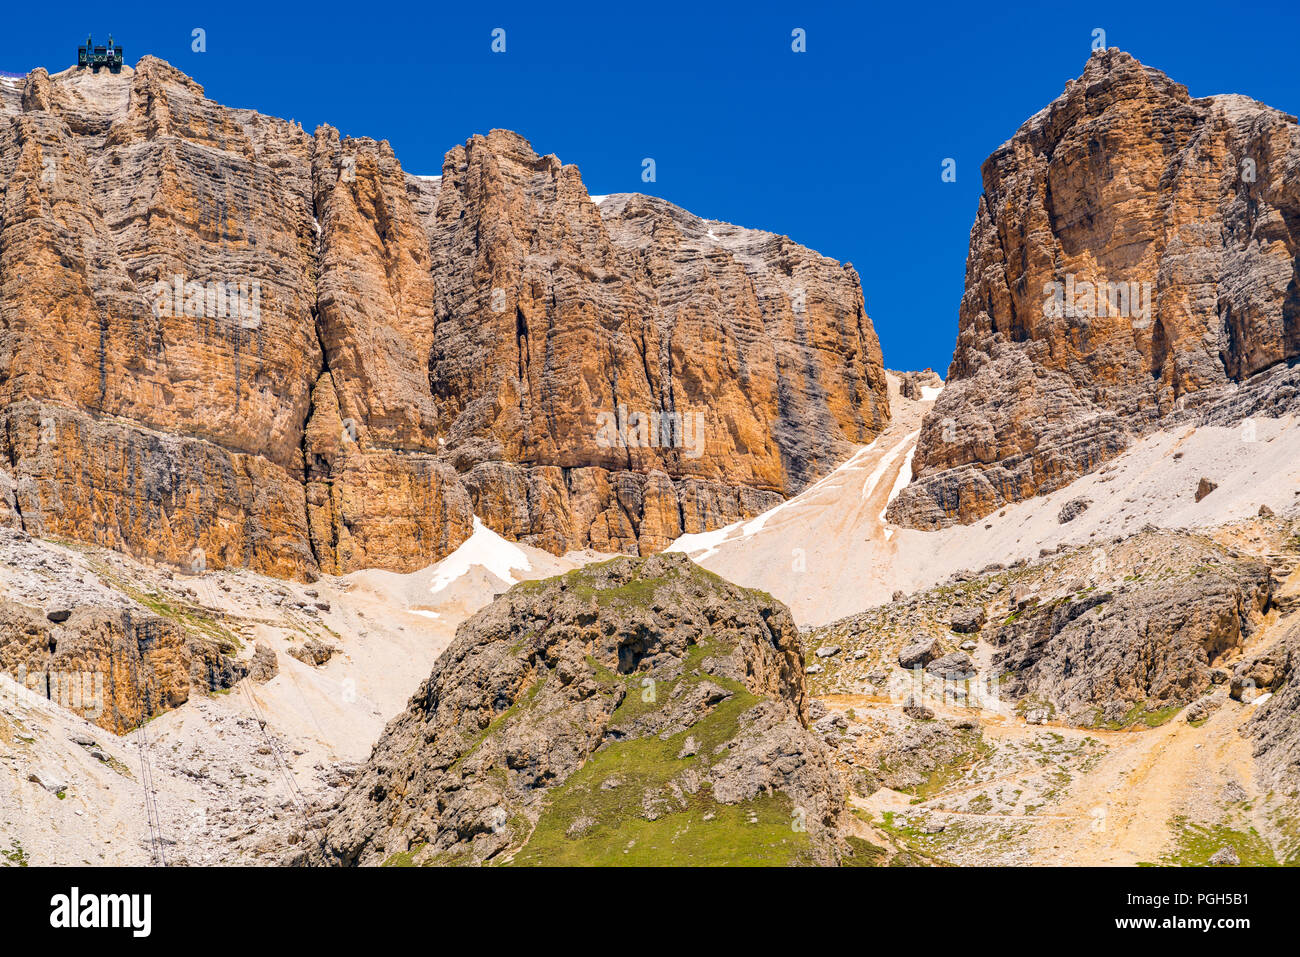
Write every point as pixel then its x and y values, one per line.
pixel 1055 794
pixel 1117 812
pixel 1120 813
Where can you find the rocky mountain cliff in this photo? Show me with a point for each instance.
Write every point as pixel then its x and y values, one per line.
pixel 1110 657
pixel 227 343
pixel 638 711
pixel 1133 258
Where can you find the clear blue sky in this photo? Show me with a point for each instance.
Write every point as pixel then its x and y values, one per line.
pixel 839 147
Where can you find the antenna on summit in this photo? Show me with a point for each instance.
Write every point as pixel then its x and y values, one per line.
pixel 99 56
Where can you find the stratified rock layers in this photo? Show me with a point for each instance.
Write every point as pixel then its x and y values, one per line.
pixel 225 342
pixel 116 667
pixel 1171 228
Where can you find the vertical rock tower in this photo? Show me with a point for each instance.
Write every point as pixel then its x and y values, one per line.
pixel 1134 255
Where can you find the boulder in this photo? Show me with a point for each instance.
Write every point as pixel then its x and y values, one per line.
pixel 264 666
pixel 1202 708
pixel 313 652
pixel 967 621
pixel 1225 856
pixel 920 653
pixel 917 711
pixel 1263 671
pixel 48 781
pixel 953 667
pixel 1072 510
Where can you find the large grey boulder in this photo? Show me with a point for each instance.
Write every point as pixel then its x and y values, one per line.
pixel 920 653
pixel 967 621
pixel 954 667
pixel 1072 510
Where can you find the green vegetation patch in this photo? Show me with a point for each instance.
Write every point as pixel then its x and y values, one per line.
pixel 403 858
pixel 586 583
pixel 193 619
pixel 1141 714
pixel 16 856
pixel 704 834
pixel 914 847
pixel 1195 844
pixel 600 815
pixel 862 853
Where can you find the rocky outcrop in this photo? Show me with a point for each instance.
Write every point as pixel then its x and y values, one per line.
pixel 636 711
pixel 616 375
pixel 116 667
pixel 904 756
pixel 313 652
pixel 228 343
pixel 1133 259
pixel 1117 656
pixel 1275 727
pixel 158 346
pixel 911 384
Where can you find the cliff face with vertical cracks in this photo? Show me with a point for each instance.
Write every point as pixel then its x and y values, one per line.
pixel 1134 256
pixel 614 375
pixel 172 432
pixel 225 342
pixel 116 667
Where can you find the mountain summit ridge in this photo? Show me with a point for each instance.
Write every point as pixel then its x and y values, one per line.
pixel 229 343
pixel 1133 257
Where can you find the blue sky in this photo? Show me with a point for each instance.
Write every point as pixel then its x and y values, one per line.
pixel 839 147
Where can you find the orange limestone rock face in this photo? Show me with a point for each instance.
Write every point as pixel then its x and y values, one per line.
pixel 614 374
pixel 156 282
pixel 225 342
pixel 1133 258
pixel 116 667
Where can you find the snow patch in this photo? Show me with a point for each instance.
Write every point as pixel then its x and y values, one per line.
pixel 870 485
pixel 930 392
pixel 430 179
pixel 706 542
pixel 709 542
pixel 598 199
pixel 900 483
pixel 484 548
pixel 424 612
